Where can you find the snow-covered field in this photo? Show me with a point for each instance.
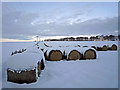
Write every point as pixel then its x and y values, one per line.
pixel 99 73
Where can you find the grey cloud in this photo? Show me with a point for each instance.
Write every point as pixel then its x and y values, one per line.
pixel 17 25
pixel 94 26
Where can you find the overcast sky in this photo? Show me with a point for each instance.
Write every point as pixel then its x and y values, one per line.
pixel 24 20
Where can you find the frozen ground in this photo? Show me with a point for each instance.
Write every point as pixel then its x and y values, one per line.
pixel 99 73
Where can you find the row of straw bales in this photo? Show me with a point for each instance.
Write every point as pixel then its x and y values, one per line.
pixel 105 47
pixel 81 53
pixel 20 51
pixel 72 54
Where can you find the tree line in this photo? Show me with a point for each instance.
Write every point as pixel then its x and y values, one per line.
pixel 92 38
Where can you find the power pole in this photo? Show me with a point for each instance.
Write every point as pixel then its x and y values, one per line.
pixel 37 38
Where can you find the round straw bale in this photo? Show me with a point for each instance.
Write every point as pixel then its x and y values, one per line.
pixel 85 46
pixel 94 47
pixel 114 47
pixel 99 49
pixel 55 55
pixel 90 54
pixel 74 55
pixel 104 48
pixel 77 46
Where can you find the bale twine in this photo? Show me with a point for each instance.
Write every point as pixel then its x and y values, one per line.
pixel 90 54
pixel 104 48
pixel 54 55
pixel 74 55
pixel 114 47
pixel 85 46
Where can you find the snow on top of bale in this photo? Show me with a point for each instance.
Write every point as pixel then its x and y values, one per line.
pixel 69 49
pixel 23 61
pixel 26 60
pixel 42 45
pixel 45 49
pixel 113 44
pixel 85 49
pixel 55 48
pixel 82 50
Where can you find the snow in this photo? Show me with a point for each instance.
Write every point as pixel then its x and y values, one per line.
pixel 25 60
pixel 68 49
pixel 98 73
pixel 54 48
pixel 41 45
pixel 81 43
pixel 87 48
